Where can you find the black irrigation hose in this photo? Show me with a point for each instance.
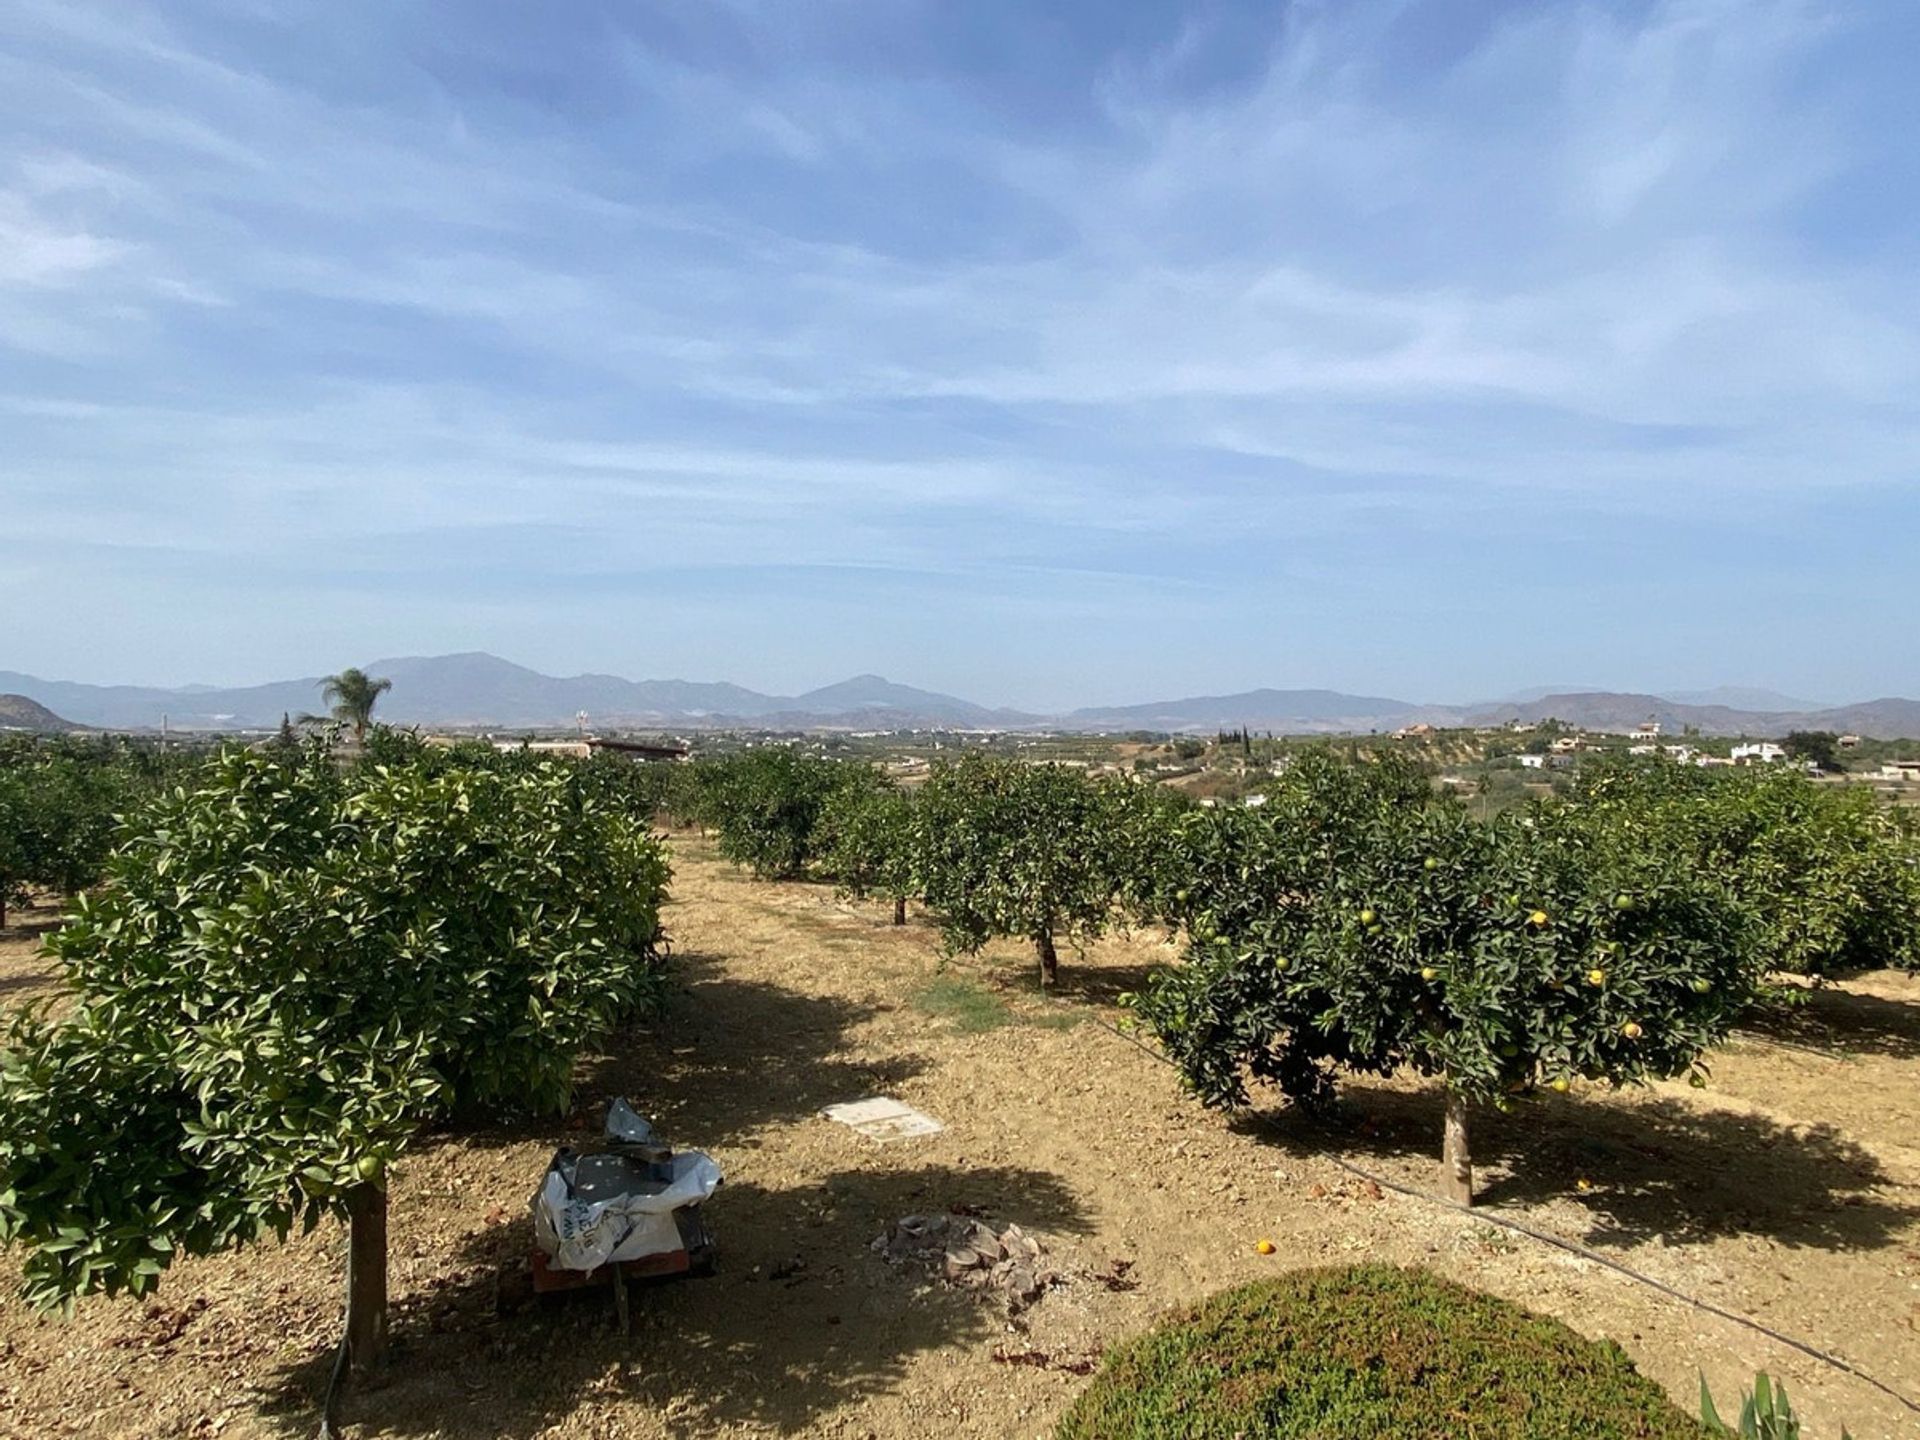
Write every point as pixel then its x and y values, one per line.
pixel 1572 1247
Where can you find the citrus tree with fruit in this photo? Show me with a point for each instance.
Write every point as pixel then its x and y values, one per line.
pixel 289 968
pixel 1357 923
pixel 1016 850
pixel 1830 874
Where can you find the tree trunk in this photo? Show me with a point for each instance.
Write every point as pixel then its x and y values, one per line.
pixel 899 909
pixel 1049 959
pixel 366 1276
pixel 364 1339
pixel 1456 1159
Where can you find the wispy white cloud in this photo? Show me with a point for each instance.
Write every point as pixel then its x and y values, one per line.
pixel 733 293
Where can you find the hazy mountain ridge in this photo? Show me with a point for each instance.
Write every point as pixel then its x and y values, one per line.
pixel 476 688
pixel 1253 710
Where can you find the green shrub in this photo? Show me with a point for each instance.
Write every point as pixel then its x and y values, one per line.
pixel 1368 1353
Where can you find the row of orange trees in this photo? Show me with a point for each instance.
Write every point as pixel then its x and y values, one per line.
pixel 1358 922
pixel 60 801
pixel 292 965
pixel 991 847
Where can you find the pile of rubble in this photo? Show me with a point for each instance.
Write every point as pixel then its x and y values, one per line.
pixel 965 1251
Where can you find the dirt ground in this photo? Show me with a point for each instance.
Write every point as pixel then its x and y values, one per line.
pixel 1788 1191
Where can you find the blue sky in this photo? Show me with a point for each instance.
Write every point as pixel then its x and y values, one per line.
pixel 1052 354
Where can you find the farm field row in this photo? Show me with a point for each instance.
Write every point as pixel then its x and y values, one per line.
pixel 1788 1190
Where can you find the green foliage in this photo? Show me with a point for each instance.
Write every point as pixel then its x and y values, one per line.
pixel 1357 922
pixel 1010 849
pixel 289 968
pixel 1369 1352
pixel 1765 1412
pixel 1829 874
pixel 61 800
pixel 767 804
pixel 1820 747
pixel 870 841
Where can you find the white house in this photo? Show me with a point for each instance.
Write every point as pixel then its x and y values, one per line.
pixel 1759 752
pixel 1533 762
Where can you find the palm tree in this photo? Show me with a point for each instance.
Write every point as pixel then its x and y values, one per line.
pixel 352 694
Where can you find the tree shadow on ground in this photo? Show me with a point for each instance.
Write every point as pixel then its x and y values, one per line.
pixel 802 1316
pixel 1656 1165
pixel 1832 1019
pixel 33 923
pixel 47 984
pixel 725 1058
pixel 1079 983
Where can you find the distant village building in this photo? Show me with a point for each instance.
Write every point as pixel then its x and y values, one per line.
pixel 1848 742
pixel 1567 744
pixel 1647 730
pixel 1758 752
pixel 1413 732
pixel 1900 770
pixel 592 745
pixel 1533 762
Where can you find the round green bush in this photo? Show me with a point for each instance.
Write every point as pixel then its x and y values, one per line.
pixel 1365 1353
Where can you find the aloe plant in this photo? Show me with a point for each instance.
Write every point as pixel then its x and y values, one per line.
pixel 1765 1412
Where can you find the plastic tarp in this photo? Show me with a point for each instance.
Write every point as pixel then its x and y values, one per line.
pixel 595 1209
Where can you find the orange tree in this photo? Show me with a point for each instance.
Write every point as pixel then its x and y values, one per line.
pixel 1011 849
pixel 1355 922
pixel 289 969
pixel 1830 874
pixel 60 802
pixel 766 805
pixel 871 844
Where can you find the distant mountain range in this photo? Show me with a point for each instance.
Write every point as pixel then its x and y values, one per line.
pixel 478 689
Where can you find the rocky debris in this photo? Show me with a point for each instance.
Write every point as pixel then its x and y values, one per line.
pixel 965 1250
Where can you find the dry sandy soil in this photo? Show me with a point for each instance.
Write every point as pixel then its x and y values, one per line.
pixel 1788 1191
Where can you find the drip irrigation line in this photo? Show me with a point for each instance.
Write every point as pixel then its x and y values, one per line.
pixel 1545 1237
